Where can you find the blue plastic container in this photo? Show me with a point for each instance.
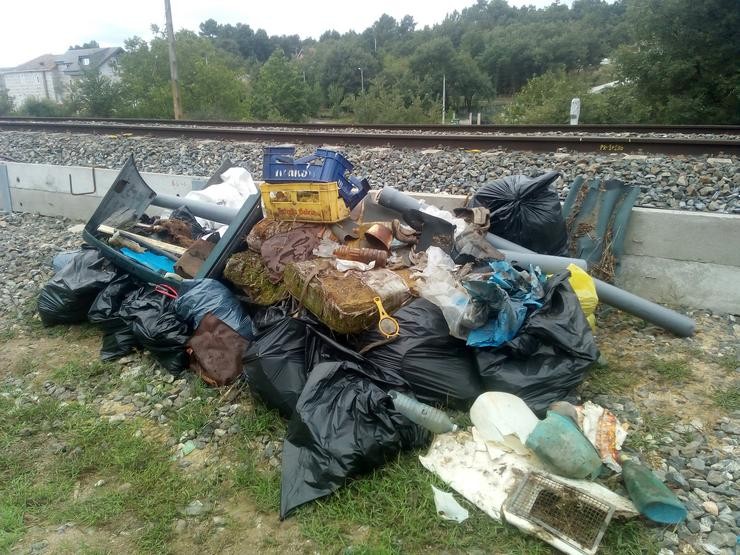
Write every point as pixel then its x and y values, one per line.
pixel 323 166
pixel 561 446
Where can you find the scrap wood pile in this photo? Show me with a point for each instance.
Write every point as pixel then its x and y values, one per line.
pixel 358 318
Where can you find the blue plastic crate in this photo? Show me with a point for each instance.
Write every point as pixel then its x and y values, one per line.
pixel 323 166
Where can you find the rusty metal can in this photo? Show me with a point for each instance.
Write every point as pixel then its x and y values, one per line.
pixel 379 235
pixel 362 255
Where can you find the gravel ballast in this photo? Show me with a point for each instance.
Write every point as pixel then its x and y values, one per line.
pixel 696 183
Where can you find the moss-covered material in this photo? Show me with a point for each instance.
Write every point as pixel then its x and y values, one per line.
pixel 344 300
pixel 247 271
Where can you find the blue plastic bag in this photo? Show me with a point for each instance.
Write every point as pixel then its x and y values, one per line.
pixel 198 297
pixel 508 294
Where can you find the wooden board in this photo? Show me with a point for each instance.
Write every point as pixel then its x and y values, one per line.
pixel 145 241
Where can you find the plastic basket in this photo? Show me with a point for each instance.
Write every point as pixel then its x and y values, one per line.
pixel 304 202
pixel 323 166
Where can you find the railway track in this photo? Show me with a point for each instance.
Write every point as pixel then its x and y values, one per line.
pixel 592 138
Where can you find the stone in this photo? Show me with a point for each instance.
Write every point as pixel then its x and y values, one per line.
pixel 710 507
pixel 670 538
pixel 715 478
pixel 722 539
pixel 218 520
pixel 116 418
pixel 197 507
pixel 697 464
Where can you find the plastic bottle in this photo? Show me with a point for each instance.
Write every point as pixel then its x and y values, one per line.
pixel 432 419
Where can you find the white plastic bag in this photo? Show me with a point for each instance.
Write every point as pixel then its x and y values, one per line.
pixel 438 285
pixel 237 185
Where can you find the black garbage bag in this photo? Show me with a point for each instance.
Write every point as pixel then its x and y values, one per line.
pixel 66 298
pixel 198 297
pixel 264 317
pixel 344 425
pixel 156 327
pixel 439 368
pixel 118 337
pixel 275 364
pixel 549 356
pixel 526 210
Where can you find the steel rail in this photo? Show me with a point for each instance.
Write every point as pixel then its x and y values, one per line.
pixel 491 128
pixel 542 143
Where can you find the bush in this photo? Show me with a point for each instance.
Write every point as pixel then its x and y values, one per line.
pixel 42 108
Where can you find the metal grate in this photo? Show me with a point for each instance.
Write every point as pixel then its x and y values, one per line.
pixel 573 516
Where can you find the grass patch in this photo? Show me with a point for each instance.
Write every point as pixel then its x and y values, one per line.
pixel 728 399
pixel 93 448
pixel 728 363
pixel 197 412
pixel 251 474
pixel 609 378
pixel 644 437
pixel 669 370
pixel 78 372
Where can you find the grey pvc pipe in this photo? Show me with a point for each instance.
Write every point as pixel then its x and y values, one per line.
pixel 213 212
pixel 548 264
pixel 668 319
pixel 397 200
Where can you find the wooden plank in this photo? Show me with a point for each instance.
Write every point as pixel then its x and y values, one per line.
pixel 145 241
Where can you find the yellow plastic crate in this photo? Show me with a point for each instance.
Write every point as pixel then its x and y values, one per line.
pixel 304 202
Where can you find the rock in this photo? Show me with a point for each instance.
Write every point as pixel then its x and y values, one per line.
pixel 697 464
pixel 711 548
pixel 116 418
pixel 99 483
pixel 705 524
pixel 722 540
pixel 218 520
pixel 197 508
pixel 710 507
pixel 715 478
pixel 670 538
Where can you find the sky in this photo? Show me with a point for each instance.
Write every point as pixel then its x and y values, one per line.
pixel 34 27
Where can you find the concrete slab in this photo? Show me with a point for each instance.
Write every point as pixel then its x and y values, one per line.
pixel 681 235
pixel 679 282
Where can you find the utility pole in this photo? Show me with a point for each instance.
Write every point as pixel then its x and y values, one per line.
pixel 362 80
pixel 177 105
pixel 444 93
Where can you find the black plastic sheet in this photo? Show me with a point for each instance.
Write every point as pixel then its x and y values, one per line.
pixel 66 298
pixel 344 425
pixel 549 356
pixel 275 364
pixel 439 368
pixel 526 210
pixel 156 327
pixel 118 337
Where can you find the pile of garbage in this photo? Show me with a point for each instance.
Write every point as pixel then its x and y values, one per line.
pixel 356 316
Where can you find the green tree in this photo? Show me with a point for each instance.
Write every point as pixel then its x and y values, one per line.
pixel 279 93
pixel 686 62
pixel 91 44
pixel 385 104
pixel 92 95
pixel 212 83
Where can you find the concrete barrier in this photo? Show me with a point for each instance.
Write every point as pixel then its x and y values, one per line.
pixel 671 256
